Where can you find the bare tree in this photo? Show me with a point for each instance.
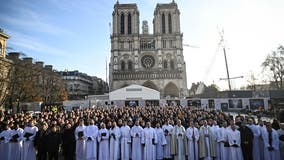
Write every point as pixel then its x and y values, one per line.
pixel 31 83
pixel 274 64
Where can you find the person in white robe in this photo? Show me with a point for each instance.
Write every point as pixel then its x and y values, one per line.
pixel 80 141
pixel 261 128
pixel 206 142
pixel 114 143
pixel 256 138
pixel 215 128
pixel 28 138
pixel 136 133
pixel 179 142
pixel 16 143
pixel 161 141
pixel 234 139
pixel 167 128
pixel 91 134
pixel 4 142
pixel 149 140
pixel 222 138
pixel 103 139
pixel 125 141
pixel 271 143
pixel 281 140
pixel 192 135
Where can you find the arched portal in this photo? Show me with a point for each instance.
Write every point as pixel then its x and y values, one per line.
pixel 151 85
pixel 124 85
pixel 171 90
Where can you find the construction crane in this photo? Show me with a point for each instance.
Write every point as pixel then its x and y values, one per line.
pixel 191 46
pixel 226 62
pixel 231 78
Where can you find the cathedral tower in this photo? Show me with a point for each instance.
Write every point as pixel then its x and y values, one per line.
pixel 152 60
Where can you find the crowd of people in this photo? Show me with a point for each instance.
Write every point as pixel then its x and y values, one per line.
pixel 139 133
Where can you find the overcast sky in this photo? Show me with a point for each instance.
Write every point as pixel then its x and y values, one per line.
pixel 74 34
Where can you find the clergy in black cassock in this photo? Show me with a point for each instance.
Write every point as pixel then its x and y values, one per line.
pixel 54 140
pixel 246 141
pixel 68 142
pixel 41 142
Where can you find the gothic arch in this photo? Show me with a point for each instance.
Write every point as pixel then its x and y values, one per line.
pixel 172 64
pixel 170 23
pixel 122 23
pixel 151 85
pixel 124 85
pixel 122 65
pixel 129 24
pixel 129 65
pixel 163 23
pixel 171 90
pixel 165 64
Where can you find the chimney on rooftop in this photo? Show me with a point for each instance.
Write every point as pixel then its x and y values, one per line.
pixel 39 64
pixel 48 67
pixel 14 56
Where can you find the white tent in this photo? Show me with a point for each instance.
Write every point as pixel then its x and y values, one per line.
pixel 134 92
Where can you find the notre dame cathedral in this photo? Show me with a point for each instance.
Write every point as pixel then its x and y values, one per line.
pixel 152 60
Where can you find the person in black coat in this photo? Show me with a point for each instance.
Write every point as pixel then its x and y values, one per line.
pixel 54 140
pixel 68 142
pixel 246 141
pixel 41 142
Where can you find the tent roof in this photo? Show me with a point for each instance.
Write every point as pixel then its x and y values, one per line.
pixel 134 91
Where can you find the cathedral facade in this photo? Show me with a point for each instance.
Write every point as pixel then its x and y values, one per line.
pixel 152 60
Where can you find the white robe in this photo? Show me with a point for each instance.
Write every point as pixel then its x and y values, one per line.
pixel 114 143
pixel 215 129
pixel 28 146
pixel 125 142
pixel 281 143
pixel 234 138
pixel 4 144
pixel 16 148
pixel 136 133
pixel 167 147
pixel 192 145
pixel 271 155
pixel 103 144
pixel 261 144
pixel 80 143
pixel 91 132
pixel 161 142
pixel 206 130
pixel 179 141
pixel 255 146
pixel 149 134
pixel 222 137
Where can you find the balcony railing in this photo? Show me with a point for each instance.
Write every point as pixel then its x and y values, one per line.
pixel 147 75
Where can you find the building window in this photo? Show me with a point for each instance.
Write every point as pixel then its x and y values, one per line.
pixel 171 43
pixel 147 44
pixel 122 24
pixel 163 23
pixel 122 65
pixel 172 65
pixel 129 23
pixel 170 22
pixel 165 64
pixel 164 44
pixel 130 67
